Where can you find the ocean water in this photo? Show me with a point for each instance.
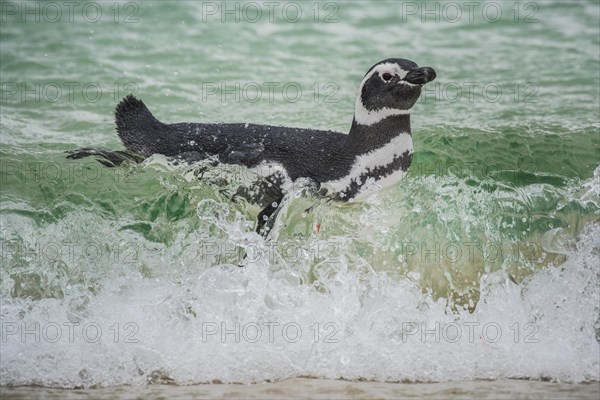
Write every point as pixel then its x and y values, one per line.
pixel 482 264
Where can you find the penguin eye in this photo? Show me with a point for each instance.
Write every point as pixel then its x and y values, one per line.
pixel 386 76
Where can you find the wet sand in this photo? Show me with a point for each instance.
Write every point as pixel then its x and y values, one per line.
pixel 305 388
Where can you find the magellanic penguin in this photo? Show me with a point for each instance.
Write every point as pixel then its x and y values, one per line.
pixel 375 154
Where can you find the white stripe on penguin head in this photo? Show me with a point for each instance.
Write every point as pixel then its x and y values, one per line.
pixel 363 116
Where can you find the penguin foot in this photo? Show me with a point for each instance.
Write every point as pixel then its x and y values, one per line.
pixel 107 158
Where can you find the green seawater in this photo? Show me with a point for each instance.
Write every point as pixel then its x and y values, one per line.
pixel 505 181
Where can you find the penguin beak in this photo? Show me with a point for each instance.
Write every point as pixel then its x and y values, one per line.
pixel 420 76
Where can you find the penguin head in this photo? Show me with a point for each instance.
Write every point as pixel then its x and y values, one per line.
pixel 390 87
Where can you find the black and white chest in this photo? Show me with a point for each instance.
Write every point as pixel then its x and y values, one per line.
pixel 376 169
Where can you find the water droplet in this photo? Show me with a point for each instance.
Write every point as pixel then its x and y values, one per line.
pixel 414 275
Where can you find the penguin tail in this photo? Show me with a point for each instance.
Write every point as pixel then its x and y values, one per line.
pixel 138 129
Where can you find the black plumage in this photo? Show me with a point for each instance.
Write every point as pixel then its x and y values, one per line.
pixel 386 95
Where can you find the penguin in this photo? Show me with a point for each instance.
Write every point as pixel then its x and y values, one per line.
pixel 375 154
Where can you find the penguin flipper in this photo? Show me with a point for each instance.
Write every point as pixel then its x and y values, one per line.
pixel 265 221
pixel 267 217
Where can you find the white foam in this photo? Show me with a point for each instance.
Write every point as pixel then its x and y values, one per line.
pixel 163 325
pixel 164 305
